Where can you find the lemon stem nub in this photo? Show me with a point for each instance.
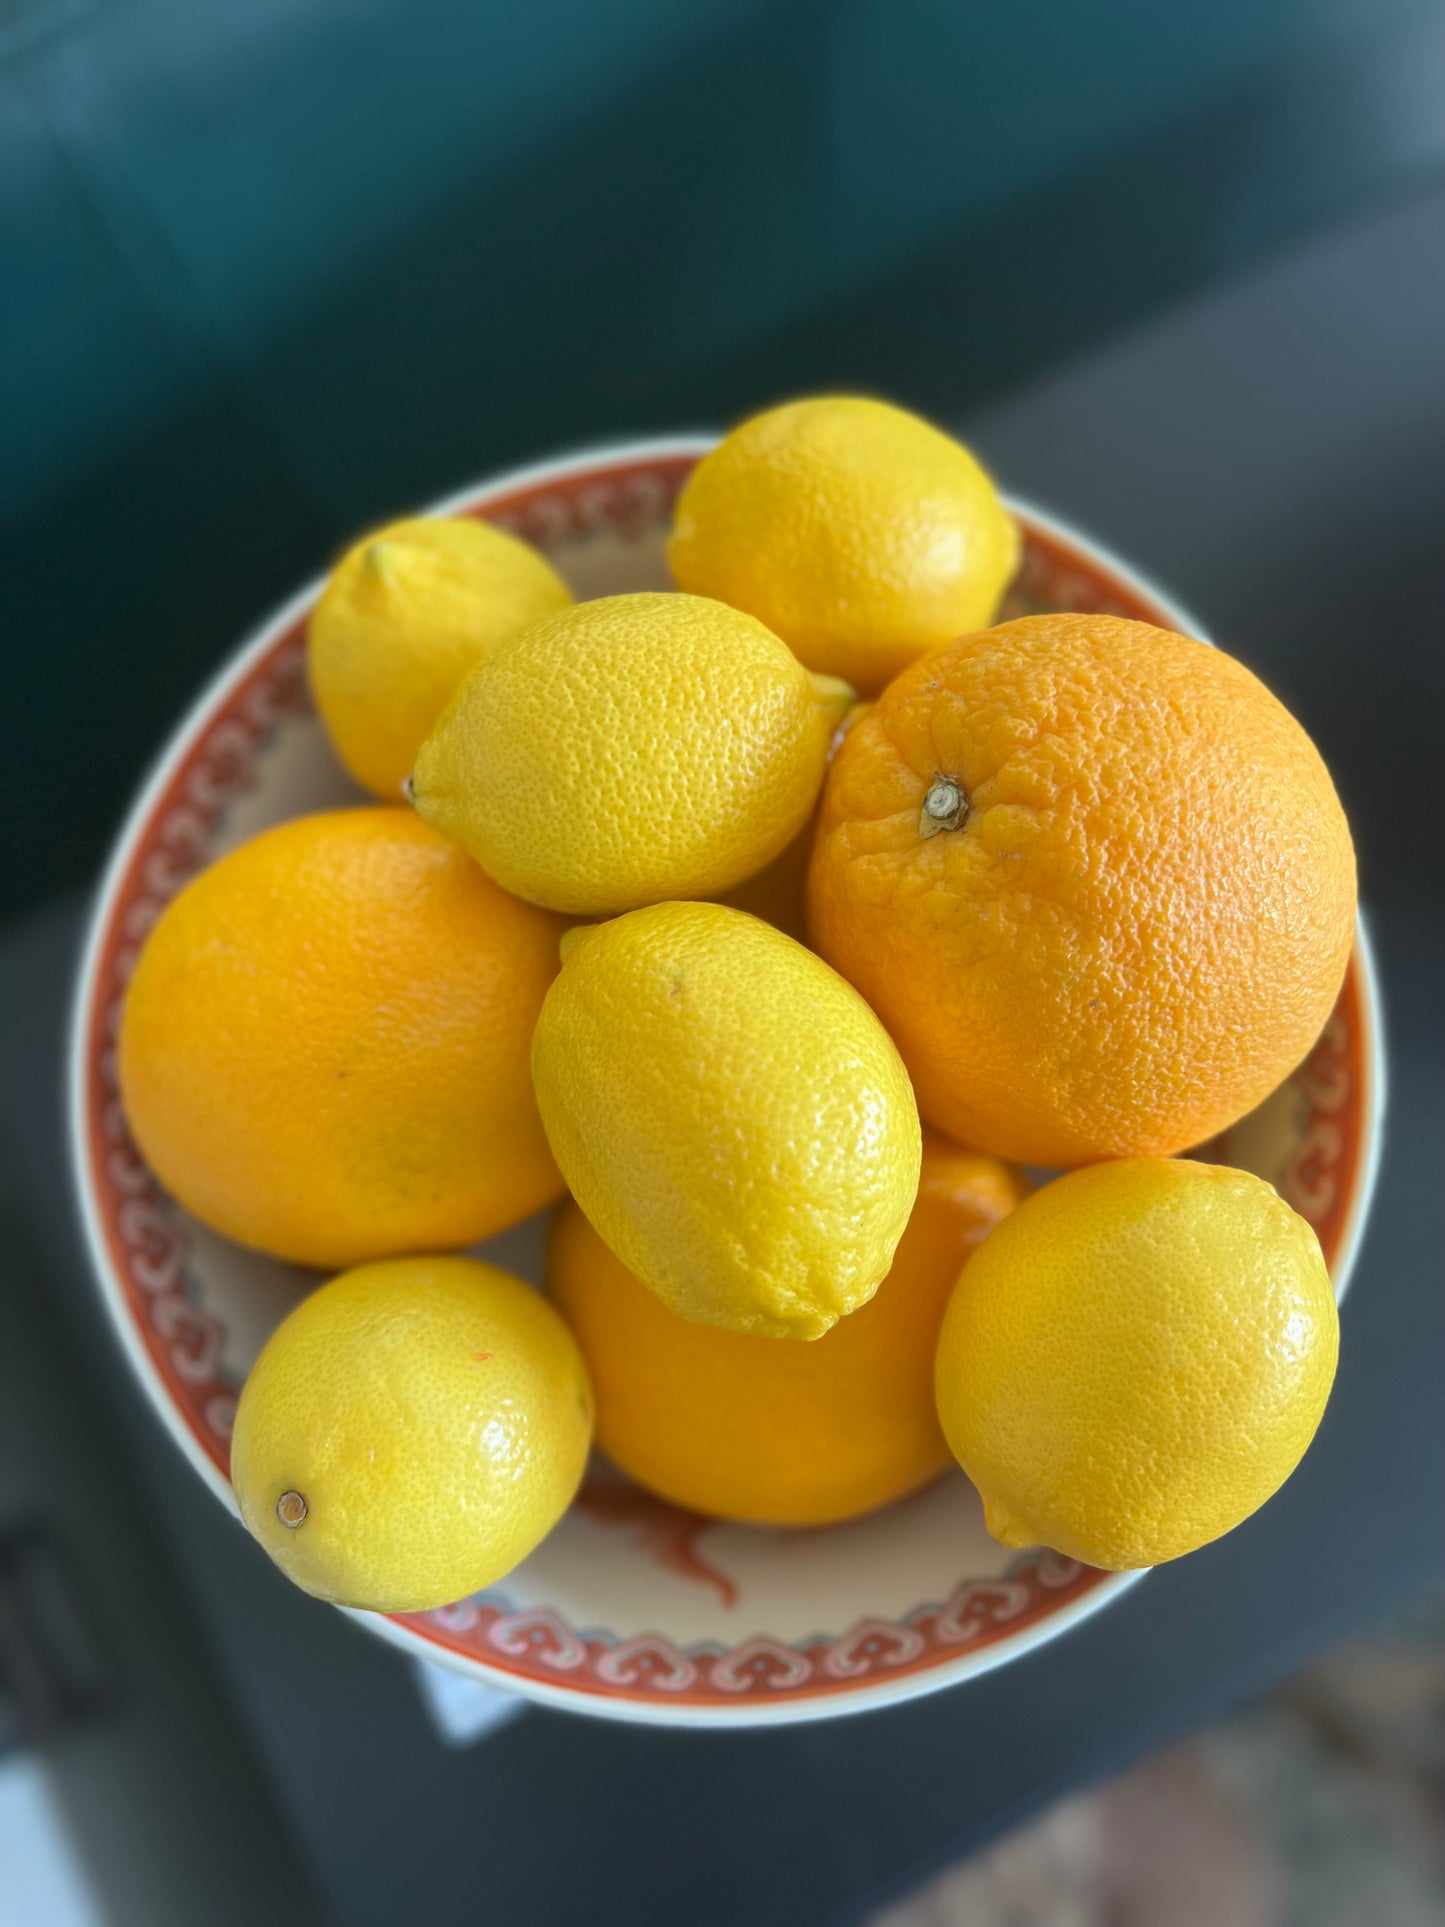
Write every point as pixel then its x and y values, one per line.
pixel 944 808
pixel 408 789
pixel 291 1510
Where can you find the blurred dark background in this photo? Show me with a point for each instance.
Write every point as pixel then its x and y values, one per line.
pixel 272 270
pixel 269 271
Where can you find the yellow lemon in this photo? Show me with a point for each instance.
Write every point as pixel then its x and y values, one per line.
pixel 1136 1359
pixel 410 1433
pixel 324 1050
pixel 756 1428
pixel 628 750
pixel 860 534
pixel 406 613
pixel 730 1115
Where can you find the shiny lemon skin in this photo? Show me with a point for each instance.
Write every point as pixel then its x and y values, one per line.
pixel 410 1433
pixel 730 1115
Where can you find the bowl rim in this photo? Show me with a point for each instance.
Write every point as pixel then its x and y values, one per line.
pixel 179 742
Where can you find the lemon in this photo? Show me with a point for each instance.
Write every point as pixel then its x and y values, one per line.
pixel 1136 1359
pixel 406 613
pixel 858 533
pixel 628 750
pixel 410 1433
pixel 731 1116
pixel 760 1429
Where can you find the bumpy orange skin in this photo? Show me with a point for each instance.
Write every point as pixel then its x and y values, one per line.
pixel 1142 925
pixel 324 1049
pixel 760 1429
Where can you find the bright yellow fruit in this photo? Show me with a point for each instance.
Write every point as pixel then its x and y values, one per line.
pixel 860 534
pixel 1136 1359
pixel 408 611
pixel 628 750
pixel 730 1115
pixel 324 1048
pixel 756 1428
pixel 410 1433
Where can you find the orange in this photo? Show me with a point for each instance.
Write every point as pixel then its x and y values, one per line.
pixel 761 1428
pixel 324 1048
pixel 1095 880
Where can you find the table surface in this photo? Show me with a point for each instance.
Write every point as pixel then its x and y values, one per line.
pixel 1276 455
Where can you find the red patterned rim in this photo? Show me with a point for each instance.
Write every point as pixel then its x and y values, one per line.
pixel 545 1649
pixel 174 1344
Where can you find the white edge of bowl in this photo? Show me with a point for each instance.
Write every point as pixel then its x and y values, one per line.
pixel 803 1709
pixel 1373 1111
pixel 640 1712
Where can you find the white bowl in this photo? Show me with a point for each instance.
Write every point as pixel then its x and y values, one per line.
pixel 632 1609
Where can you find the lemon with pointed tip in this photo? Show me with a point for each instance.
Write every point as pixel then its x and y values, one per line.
pixel 406 613
pixel 1136 1358
pixel 410 1433
pixel 629 750
pixel 730 1114
pixel 858 532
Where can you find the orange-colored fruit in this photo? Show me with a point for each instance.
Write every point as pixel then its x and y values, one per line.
pixel 762 1429
pixel 1095 880
pixel 324 1049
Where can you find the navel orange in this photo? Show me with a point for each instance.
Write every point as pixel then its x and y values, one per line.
pixel 1095 880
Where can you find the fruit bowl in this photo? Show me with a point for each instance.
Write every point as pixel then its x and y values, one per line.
pixel 631 1609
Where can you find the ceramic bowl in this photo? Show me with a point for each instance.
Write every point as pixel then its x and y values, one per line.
pixel 632 1609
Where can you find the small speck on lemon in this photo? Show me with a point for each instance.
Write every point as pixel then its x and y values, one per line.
pixel 410 1432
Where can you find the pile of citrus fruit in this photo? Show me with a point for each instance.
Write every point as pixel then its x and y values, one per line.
pixel 680 911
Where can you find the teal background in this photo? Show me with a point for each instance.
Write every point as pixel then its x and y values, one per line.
pixel 273 270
